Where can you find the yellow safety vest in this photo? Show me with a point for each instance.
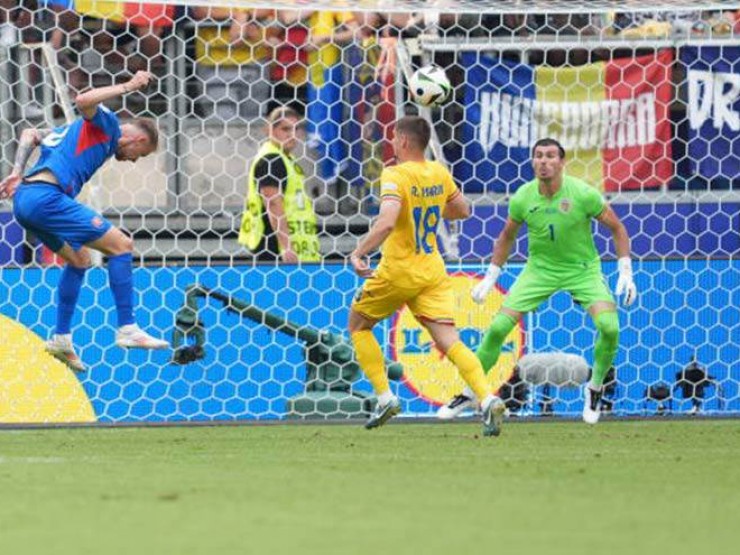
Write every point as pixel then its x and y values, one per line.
pixel 299 213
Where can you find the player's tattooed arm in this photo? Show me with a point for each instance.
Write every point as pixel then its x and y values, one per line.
pixel 30 139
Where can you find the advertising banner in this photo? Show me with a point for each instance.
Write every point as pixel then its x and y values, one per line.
pixel 713 76
pixel 611 117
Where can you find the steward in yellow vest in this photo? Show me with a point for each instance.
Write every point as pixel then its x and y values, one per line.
pixel 278 221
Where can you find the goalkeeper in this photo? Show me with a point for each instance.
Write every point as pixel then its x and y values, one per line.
pixel 558 210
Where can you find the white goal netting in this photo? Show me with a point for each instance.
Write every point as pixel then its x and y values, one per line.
pixel 646 100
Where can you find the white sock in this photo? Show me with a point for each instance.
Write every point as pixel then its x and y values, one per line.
pixel 469 393
pixel 593 387
pixel 385 398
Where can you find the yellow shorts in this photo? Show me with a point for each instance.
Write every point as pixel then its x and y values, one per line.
pixel 377 299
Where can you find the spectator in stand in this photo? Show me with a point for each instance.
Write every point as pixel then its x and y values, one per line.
pixel 371 97
pixel 130 34
pixel 247 26
pixel 16 22
pixel 149 22
pixel 329 33
pixel 64 22
pixel 231 61
pixel 561 25
pixel 656 23
pixel 288 35
pixel 371 115
pixel 8 31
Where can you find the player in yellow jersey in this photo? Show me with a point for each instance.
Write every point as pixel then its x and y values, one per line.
pixel 415 195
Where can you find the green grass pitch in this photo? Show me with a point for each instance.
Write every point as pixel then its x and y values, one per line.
pixel 541 488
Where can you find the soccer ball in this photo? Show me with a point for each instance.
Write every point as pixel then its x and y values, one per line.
pixel 430 86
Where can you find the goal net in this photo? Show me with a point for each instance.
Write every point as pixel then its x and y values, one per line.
pixel 645 99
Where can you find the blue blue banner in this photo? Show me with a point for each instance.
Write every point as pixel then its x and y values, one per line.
pixel 662 230
pixel 487 163
pixel 713 76
pixel 250 371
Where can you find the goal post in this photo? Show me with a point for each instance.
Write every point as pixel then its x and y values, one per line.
pixel 645 98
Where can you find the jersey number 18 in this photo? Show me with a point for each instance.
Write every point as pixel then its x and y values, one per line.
pixel 425 224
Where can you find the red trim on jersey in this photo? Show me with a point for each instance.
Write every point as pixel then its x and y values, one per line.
pixel 90 135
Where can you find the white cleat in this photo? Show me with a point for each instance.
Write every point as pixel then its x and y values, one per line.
pixel 456 406
pixel 493 417
pixel 591 405
pixel 60 347
pixel 132 336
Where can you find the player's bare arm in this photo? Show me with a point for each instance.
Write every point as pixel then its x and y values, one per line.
pixel 504 242
pixel 625 283
pixel 30 139
pixel 87 103
pixel 379 232
pixel 457 208
pixel 621 240
pixel 501 250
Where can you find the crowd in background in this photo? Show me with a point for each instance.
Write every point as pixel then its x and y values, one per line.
pixel 335 68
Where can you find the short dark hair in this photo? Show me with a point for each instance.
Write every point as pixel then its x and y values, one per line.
pixel 150 129
pixel 282 113
pixel 415 128
pixel 547 141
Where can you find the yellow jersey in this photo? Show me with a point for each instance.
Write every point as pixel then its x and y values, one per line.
pixel 411 256
pixel 324 24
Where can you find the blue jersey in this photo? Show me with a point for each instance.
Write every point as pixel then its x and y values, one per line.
pixel 74 152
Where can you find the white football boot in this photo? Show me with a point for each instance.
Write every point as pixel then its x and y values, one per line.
pixel 61 348
pixel 132 336
pixel 493 416
pixel 591 405
pixel 456 406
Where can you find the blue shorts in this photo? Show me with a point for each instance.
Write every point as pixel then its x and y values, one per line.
pixel 44 210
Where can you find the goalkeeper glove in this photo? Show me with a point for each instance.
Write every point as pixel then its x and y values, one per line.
pixel 625 283
pixel 481 291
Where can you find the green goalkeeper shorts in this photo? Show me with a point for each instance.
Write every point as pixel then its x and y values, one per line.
pixel 536 285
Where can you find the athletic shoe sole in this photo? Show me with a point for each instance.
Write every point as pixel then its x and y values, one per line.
pixel 385 415
pixel 77 365
pixel 128 344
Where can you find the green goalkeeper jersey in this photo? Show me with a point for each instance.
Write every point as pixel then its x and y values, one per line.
pixel 559 228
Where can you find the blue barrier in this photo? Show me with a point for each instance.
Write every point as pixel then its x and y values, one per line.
pixel 11 240
pixel 657 230
pixel 685 308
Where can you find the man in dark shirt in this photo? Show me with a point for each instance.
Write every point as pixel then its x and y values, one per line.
pixel 271 176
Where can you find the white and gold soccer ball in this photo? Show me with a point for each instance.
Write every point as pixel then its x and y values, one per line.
pixel 430 86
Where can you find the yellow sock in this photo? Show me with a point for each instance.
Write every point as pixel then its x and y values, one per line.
pixel 370 357
pixel 470 369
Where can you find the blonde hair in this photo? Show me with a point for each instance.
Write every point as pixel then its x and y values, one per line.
pixel 150 129
pixel 282 113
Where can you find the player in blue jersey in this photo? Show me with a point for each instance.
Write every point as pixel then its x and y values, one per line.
pixel 44 204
